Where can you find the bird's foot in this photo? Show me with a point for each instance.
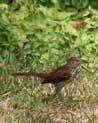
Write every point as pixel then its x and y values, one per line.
pixel 60 97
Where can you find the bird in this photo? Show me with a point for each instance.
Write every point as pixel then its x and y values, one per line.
pixel 60 76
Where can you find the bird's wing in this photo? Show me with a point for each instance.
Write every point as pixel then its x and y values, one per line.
pixel 63 75
pixel 58 76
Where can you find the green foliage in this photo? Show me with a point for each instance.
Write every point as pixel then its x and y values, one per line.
pixel 94 3
pixel 78 4
pixel 38 35
pixel 26 39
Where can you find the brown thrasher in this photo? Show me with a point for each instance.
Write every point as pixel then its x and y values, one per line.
pixel 59 77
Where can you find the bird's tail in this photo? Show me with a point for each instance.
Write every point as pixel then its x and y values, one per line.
pixel 30 74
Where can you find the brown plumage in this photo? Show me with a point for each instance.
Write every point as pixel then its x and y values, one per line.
pixel 59 77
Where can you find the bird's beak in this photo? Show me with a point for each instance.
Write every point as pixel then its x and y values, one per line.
pixel 84 62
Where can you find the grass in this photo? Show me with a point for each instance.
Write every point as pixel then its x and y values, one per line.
pixel 29 102
pixel 28 44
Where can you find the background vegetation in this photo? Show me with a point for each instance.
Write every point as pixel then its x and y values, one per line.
pixel 40 35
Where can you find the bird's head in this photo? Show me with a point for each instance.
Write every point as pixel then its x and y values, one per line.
pixel 75 62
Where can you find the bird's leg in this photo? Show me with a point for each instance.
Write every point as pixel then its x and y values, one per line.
pixel 58 88
pixel 58 94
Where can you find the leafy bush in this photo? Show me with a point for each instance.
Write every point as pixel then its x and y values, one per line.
pixel 40 35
